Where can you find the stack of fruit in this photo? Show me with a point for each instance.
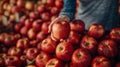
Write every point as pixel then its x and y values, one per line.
pixel 29 44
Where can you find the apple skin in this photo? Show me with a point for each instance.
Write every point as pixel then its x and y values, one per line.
pixel 78 56
pixel 14 51
pixel 41 8
pixel 42 59
pixel 24 30
pixel 64 51
pixel 9 41
pixel 44 27
pixel 28 23
pixel 48 45
pixel 23 60
pixel 31 34
pixel 96 31
pixel 12 61
pixel 108 48
pixel 54 62
pixel 31 53
pixel 57 30
pixel 31 66
pixel 37 25
pixel 22 43
pixel 115 34
pixel 40 36
pixel 45 16
pixel 50 2
pixel 54 11
pixel 59 4
pixel 74 38
pixel 89 43
pixel 100 61
pixel 77 25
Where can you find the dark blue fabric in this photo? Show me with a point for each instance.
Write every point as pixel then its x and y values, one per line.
pixel 103 12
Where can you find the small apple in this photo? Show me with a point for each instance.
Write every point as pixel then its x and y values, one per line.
pixel 24 30
pixel 45 16
pixel 44 27
pixel 22 43
pixel 12 61
pixel 31 33
pixel 14 51
pixel 115 34
pixel 37 25
pixel 54 62
pixel 40 36
pixel 100 61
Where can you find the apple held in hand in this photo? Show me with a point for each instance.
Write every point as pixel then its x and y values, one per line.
pixel 64 51
pixel 42 59
pixel 89 43
pixel 96 31
pixel 60 30
pixel 115 34
pixel 108 48
pixel 54 62
pixel 100 61
pixel 81 58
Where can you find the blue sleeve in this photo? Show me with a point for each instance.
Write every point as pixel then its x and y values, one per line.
pixel 69 8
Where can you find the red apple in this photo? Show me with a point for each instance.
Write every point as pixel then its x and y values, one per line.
pixel 45 16
pixel 24 30
pixel 3 36
pixel 41 8
pixel 42 59
pixel 14 51
pixel 108 48
pixel 89 43
pixel 31 34
pixel 28 23
pixel 33 15
pixel 117 64
pixel 96 31
pixel 50 2
pixel 40 36
pixel 17 27
pixel 115 34
pixel 74 38
pixel 64 51
pixel 31 53
pixel 53 17
pixel 81 58
pixel 100 61
pixel 58 28
pixel 54 62
pixel 29 6
pixel 44 27
pixel 37 25
pixel 30 66
pixel 22 43
pixel 77 25
pixel 9 41
pixel 20 3
pixel 54 11
pixel 48 45
pixel 33 43
pixel 59 4
pixel 12 61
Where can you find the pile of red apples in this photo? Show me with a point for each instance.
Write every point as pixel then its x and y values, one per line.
pixel 27 42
